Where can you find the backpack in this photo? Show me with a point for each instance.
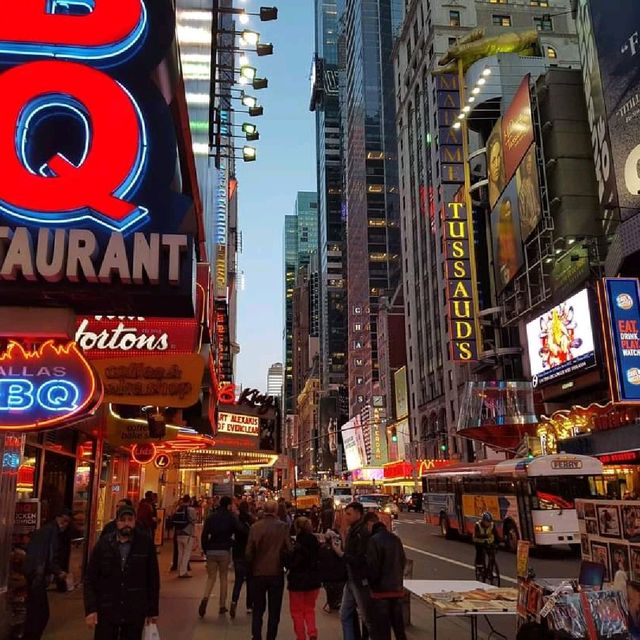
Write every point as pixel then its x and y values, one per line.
pixel 180 519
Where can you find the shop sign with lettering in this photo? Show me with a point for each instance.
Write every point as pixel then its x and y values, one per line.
pixel 238 424
pixel 46 387
pixel 165 381
pixel 88 217
pixel 112 336
pixel 460 275
pixel 143 453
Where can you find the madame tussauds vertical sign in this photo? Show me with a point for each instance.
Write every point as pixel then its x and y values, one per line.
pixel 88 155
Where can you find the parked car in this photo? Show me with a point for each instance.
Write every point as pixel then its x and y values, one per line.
pixel 414 502
pixel 379 502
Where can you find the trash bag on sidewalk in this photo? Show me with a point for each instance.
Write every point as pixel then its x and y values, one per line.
pixel 151 632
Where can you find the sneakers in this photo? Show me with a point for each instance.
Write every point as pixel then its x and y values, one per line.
pixel 202 609
pixel 232 612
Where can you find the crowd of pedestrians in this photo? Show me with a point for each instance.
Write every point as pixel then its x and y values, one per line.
pixel 270 548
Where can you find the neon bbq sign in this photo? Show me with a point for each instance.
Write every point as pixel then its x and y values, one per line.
pixel 87 139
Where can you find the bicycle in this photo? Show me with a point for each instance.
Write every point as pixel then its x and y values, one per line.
pixel 489 572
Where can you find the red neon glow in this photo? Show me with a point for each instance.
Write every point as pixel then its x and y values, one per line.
pixel 112 157
pixel 109 23
pixel 143 453
pixel 43 360
pixel 227 393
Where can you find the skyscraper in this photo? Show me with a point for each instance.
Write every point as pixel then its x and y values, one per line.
pixel 275 378
pixel 300 242
pixel 370 196
pixel 331 235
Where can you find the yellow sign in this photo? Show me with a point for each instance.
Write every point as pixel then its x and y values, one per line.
pixel 221 271
pixel 166 381
pixel 127 431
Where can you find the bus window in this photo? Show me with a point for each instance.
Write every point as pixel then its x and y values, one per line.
pixel 559 492
pixel 506 487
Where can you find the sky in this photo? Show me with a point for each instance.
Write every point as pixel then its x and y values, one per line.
pixel 267 188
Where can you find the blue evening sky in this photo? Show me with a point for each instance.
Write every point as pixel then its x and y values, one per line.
pixel 267 188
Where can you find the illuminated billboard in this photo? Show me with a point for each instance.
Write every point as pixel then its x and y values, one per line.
pixel 89 157
pixel 355 450
pixel 528 188
pixel 622 327
pixel 517 129
pixel 560 342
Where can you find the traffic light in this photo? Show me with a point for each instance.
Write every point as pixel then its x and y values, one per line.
pixel 443 447
pixel 394 434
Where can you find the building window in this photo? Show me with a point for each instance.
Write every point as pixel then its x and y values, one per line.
pixel 498 2
pixel 454 18
pixel 543 23
pixel 552 53
pixel 539 3
pixel 501 21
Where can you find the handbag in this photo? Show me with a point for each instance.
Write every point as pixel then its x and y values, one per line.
pixel 151 632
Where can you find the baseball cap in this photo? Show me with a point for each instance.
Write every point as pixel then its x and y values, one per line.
pixel 125 510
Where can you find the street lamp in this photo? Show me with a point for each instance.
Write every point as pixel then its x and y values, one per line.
pixel 250 131
pixel 260 83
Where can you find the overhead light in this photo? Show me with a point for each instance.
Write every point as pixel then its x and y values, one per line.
pixel 244 18
pixel 268 13
pixel 248 154
pixel 466 108
pixel 472 98
pixel 475 91
pixel 265 49
pixel 249 127
pixel 248 101
pixel 243 81
pixel 456 125
pixel 481 81
pixel 260 83
pixel 548 260
pixel 570 240
pixel 244 60
pixel 254 112
pixel 250 37
pixel 486 72
pixel 461 116
pixel 248 72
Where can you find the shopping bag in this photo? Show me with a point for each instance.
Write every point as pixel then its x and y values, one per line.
pixel 150 632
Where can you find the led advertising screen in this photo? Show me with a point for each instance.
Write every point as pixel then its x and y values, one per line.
pixel 560 341
pixel 623 314
pixel 507 237
pixel 354 447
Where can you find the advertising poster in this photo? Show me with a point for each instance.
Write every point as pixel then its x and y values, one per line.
pixel 401 393
pixel 507 239
pixel 622 301
pixel 517 129
pixel 26 520
pixel 522 558
pixel 329 416
pixel 495 164
pixel 618 56
pixel 353 442
pixel 560 342
pixel 528 189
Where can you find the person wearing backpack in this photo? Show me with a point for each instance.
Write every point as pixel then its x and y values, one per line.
pixel 184 520
pixel 304 580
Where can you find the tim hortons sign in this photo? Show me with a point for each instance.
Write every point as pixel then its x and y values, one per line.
pixel 87 214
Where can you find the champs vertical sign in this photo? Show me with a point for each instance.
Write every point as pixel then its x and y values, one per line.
pixel 457 225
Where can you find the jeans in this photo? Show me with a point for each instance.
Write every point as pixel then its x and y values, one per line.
pixel 37 614
pixel 185 545
pixel 302 605
pixel 217 562
pixel 119 632
pixel 356 599
pixel 386 614
pixel 263 587
pixel 241 570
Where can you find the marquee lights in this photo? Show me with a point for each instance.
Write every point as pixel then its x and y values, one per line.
pixel 45 387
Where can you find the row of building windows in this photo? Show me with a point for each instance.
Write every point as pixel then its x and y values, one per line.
pixel 541 23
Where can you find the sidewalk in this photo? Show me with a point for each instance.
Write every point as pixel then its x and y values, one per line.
pixel 179 619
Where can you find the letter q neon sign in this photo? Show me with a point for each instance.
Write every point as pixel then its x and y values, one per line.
pixel 58 45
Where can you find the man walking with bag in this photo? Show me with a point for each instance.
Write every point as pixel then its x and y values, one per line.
pixel 122 583
pixel 267 548
pixel 184 525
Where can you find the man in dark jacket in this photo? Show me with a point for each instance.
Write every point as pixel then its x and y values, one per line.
pixel 267 548
pixel 217 540
pixel 356 598
pixel 42 562
pixel 385 571
pixel 122 583
pixel 147 513
pixel 112 526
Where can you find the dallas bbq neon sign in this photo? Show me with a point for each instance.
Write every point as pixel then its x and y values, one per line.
pixel 45 387
pixel 99 184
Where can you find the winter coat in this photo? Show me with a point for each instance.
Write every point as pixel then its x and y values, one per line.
pixel 385 563
pixel 123 596
pixel 355 552
pixel 304 563
pixel 242 536
pixel 268 546
pixel 219 529
pixel 43 555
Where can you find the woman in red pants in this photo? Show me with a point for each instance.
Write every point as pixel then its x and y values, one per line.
pixel 304 580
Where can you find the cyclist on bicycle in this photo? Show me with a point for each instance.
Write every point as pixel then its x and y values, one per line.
pixel 484 535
